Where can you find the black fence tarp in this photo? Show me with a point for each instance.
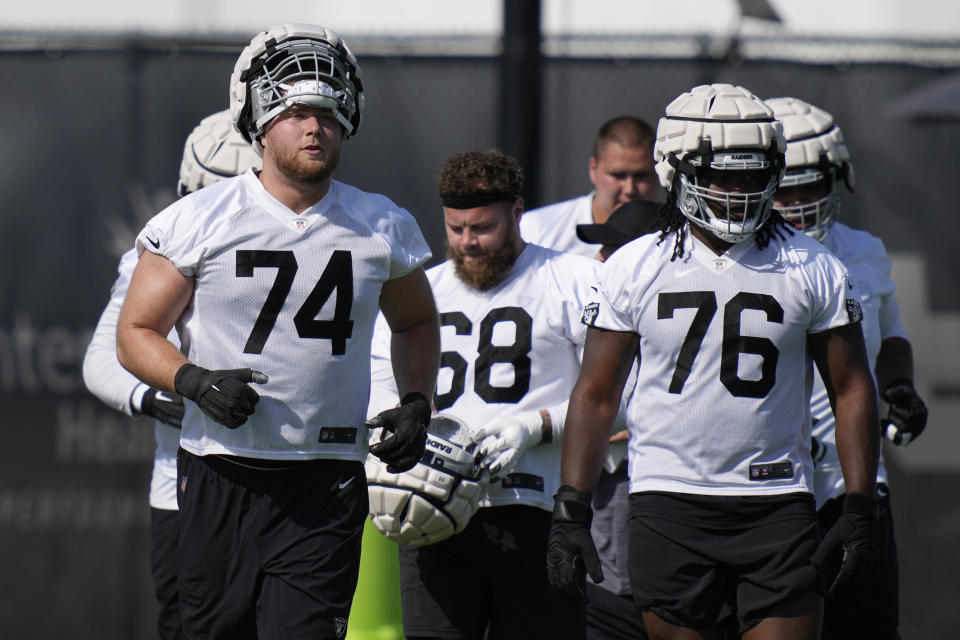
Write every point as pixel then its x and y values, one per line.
pixel 92 144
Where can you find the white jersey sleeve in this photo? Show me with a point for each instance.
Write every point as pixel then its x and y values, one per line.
pixel 103 375
pixel 292 295
pixel 721 404
pixel 555 226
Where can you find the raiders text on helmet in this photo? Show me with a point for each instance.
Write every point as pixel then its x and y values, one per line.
pixel 213 151
pixel 815 152
pixel 295 64
pixel 436 498
pixel 724 128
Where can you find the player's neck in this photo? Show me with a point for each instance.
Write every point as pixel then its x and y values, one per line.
pixel 296 196
pixel 600 216
pixel 713 243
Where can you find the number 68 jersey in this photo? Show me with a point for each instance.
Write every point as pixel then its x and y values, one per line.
pixel 512 349
pixel 293 296
pixel 721 404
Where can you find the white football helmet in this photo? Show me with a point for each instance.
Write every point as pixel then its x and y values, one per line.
pixel 214 151
pixel 815 152
pixel 295 64
pixel 724 128
pixel 437 497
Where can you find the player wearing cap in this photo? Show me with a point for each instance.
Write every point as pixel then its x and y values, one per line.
pixel 213 151
pixel 274 279
pixel 726 308
pixel 818 163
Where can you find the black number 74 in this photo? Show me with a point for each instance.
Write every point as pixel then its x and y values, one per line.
pixel 338 275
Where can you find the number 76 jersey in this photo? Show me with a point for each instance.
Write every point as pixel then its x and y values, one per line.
pixel 293 296
pixel 721 404
pixel 512 349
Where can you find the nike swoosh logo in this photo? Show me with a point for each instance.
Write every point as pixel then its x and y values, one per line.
pixel 155 243
pixel 162 396
pixel 346 482
pixel 680 274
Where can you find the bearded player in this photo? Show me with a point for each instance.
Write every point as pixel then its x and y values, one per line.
pixel 510 341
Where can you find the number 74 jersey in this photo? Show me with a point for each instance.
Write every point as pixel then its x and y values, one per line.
pixel 294 296
pixel 721 404
pixel 512 349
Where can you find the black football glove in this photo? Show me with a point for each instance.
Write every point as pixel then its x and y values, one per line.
pixel 165 407
pixel 856 534
pixel 408 424
pixel 907 415
pixel 224 394
pixel 571 553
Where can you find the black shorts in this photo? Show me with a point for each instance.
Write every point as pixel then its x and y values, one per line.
pixel 611 616
pixel 164 534
pixel 702 561
pixel 872 611
pixel 489 579
pixel 268 552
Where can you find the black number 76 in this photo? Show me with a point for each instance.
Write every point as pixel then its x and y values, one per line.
pixel 338 275
pixel 705 302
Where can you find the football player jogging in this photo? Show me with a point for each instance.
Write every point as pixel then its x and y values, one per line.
pixel 621 170
pixel 274 280
pixel 213 151
pixel 725 308
pixel 511 340
pixel 818 162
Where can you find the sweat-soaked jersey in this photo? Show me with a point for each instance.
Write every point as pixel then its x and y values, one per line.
pixel 294 296
pixel 721 403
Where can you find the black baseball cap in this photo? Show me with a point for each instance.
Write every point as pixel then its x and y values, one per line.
pixel 628 222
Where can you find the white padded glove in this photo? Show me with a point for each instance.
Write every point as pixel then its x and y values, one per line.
pixel 503 441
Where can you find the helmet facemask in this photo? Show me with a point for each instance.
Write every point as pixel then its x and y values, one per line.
pixel 815 217
pixel 734 214
pixel 307 72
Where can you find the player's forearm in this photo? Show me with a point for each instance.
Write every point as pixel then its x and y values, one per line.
pixel 149 356
pixel 894 361
pixel 858 436
pixel 415 354
pixel 590 415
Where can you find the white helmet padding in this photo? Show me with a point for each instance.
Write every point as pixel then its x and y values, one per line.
pixel 214 151
pixel 295 64
pixel 727 128
pixel 815 152
pixel 437 497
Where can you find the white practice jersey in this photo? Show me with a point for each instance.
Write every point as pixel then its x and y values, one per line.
pixel 109 381
pixel 555 226
pixel 293 296
pixel 866 258
pixel 512 349
pixel 721 405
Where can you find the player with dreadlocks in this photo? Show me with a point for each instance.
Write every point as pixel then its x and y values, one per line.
pixel 722 529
